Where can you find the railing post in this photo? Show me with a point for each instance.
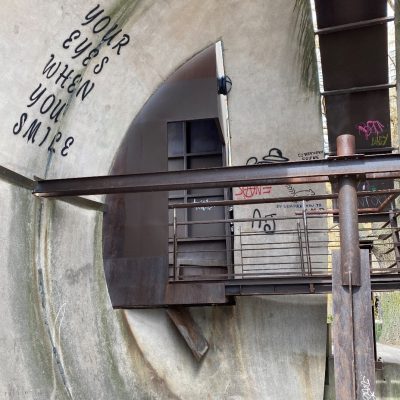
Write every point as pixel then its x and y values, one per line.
pixel 303 272
pixel 175 247
pixel 306 239
pixel 241 248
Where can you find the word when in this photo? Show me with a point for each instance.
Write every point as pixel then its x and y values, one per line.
pixel 203 208
pixel 310 155
pixel 367 393
pixel 248 192
pixel 274 156
pixel 65 75
pixel 267 223
pixel 369 128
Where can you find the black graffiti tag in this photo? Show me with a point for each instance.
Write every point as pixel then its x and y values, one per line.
pixel 267 223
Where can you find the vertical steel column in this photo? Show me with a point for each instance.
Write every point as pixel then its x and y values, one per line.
pixel 353 337
pixel 348 217
pixel 351 290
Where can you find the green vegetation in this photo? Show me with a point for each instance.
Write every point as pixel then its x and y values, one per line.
pixel 390 306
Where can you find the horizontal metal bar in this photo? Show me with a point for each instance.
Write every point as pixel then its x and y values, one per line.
pixel 16 179
pixel 295 285
pixel 375 150
pixel 354 25
pixel 264 174
pixel 19 180
pixel 286 199
pixel 358 89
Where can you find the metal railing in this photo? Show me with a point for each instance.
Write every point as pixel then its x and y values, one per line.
pixel 288 246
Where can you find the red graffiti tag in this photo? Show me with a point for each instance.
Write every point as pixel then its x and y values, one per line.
pixel 248 192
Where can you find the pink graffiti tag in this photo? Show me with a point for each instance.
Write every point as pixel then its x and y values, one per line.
pixel 369 128
pixel 248 192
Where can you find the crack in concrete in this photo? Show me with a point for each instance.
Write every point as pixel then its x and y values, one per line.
pixel 40 250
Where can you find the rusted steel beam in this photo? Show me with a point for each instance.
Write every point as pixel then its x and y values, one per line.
pixel 288 285
pixel 353 334
pixel 366 210
pixel 354 25
pixel 358 89
pixel 348 217
pixel 263 174
pixel 189 330
pixel 364 343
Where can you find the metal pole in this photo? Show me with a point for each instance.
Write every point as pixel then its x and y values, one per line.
pixel 303 273
pixel 241 247
pixel 351 289
pixel 175 248
pixel 348 217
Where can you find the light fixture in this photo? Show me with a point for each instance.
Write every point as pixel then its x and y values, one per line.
pixel 224 84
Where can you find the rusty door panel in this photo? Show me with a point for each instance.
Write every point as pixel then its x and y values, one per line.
pixel 135 229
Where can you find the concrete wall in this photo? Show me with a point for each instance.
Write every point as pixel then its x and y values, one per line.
pixel 59 337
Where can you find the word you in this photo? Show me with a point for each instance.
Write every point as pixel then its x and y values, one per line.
pixel 248 192
pixel 367 393
pixel 274 155
pixel 370 128
pixel 49 105
pixel 266 224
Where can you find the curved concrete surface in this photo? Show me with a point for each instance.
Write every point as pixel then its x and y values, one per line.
pixel 59 337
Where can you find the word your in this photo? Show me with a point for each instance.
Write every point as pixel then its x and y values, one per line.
pixel 367 394
pixel 110 35
pixel 310 155
pixel 369 128
pixel 203 208
pixel 274 155
pixel 248 192
pixel 267 223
